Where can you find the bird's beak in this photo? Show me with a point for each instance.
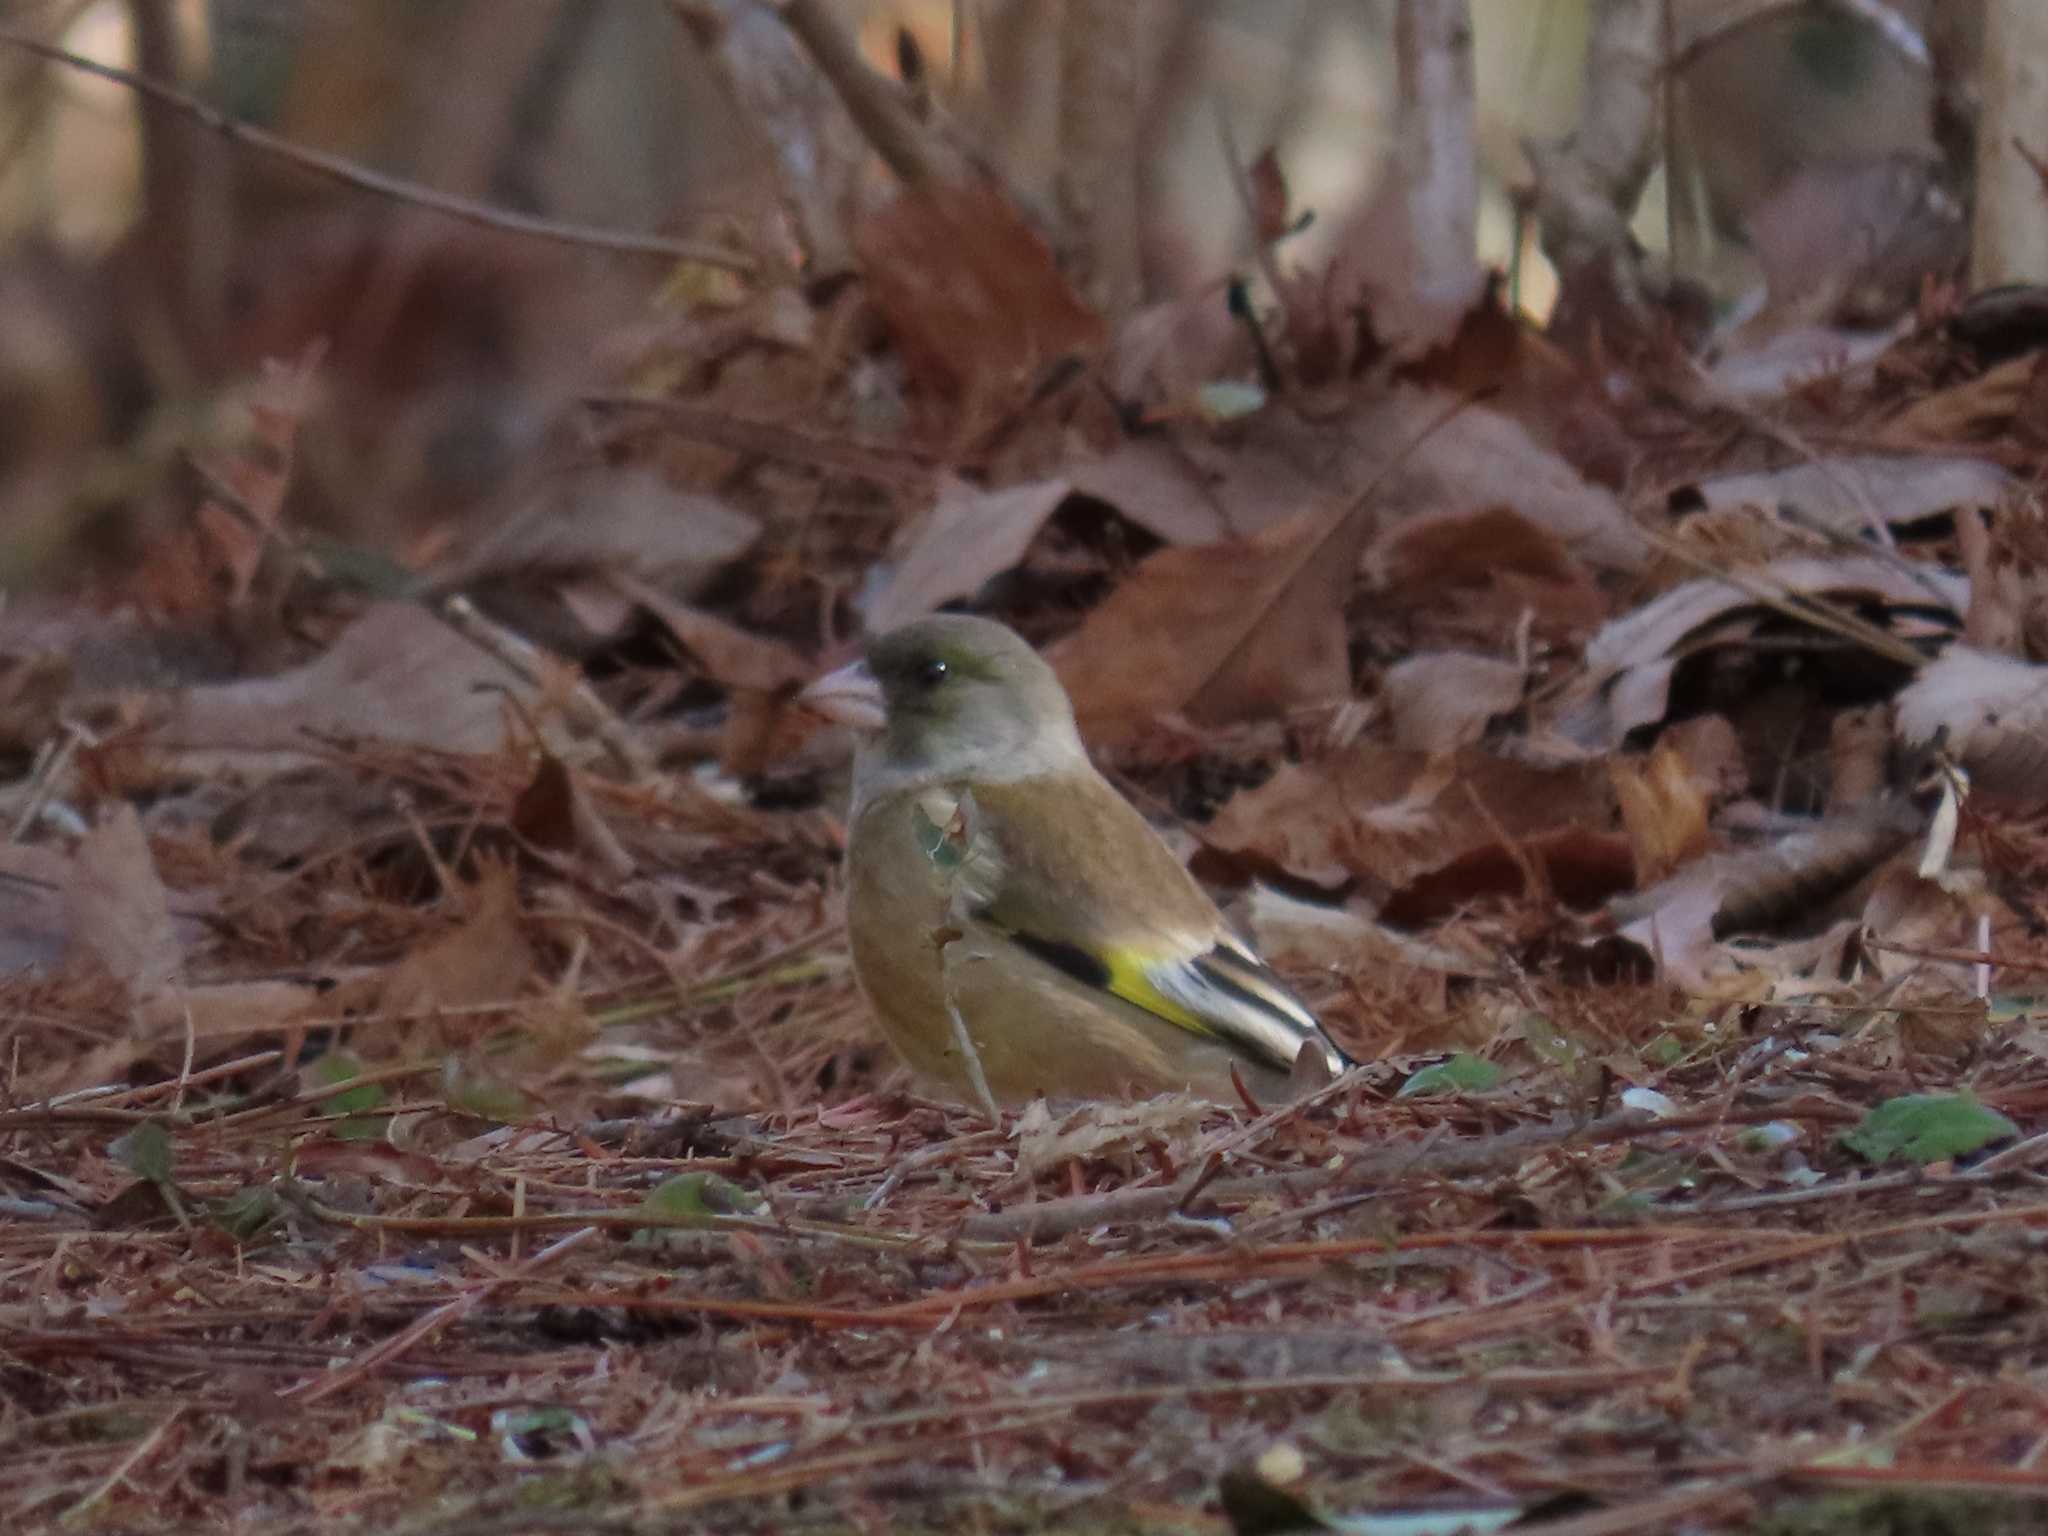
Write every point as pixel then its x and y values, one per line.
pixel 850 696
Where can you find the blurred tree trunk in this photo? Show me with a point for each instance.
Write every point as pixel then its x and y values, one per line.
pixel 919 155
pixel 2010 234
pixel 811 142
pixel 1014 114
pixel 1098 153
pixel 1409 254
pixel 1429 273
pixel 182 209
pixel 1437 148
pixel 1588 184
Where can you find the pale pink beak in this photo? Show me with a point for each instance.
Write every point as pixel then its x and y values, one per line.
pixel 850 696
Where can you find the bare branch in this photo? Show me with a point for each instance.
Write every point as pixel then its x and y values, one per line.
pixel 809 136
pixel 878 106
pixel 2011 221
pixel 1098 156
pixel 1438 146
pixel 349 173
pixel 1588 184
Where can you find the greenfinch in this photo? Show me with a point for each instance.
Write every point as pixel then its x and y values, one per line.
pixel 1017 927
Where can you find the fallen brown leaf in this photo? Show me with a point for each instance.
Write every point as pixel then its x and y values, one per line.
pixel 1443 700
pixel 729 655
pixel 1859 752
pixel 2000 588
pixel 1269 197
pixel 1384 816
pixel 555 814
pixel 1625 680
pixel 1230 631
pixel 1157 484
pixel 1445 455
pixel 259 473
pixel 1578 866
pixel 974 298
pixel 1841 492
pixel 397 673
pixel 118 911
pixel 968 536
pixel 549 567
pixel 1805 877
pixel 1992 714
pixel 483 959
pixel 1663 809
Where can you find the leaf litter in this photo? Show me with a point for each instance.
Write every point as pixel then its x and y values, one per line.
pixel 436 1093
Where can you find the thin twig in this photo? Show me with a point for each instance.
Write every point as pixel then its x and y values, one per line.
pixel 338 168
pixel 390 1349
pixel 143 1448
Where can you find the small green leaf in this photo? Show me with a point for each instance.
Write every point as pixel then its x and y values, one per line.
pixel 1926 1127
pixel 145 1152
pixel 341 1067
pixel 349 565
pixel 1463 1073
pixel 1667 1050
pixel 488 1099
pixel 247 1211
pixel 698 1197
pixel 1548 1041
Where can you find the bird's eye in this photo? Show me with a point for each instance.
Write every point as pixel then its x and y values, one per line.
pixel 931 672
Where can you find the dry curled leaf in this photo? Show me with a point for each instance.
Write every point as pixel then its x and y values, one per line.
pixel 1625 680
pixel 1158 485
pixel 1663 810
pixel 242 518
pixel 119 912
pixel 1842 493
pixel 397 674
pixel 968 536
pixel 1442 700
pixel 974 298
pixel 1239 630
pixel 1991 714
pixel 1046 1141
pixel 484 959
pixel 1578 867
pixel 1386 817
pixel 1799 883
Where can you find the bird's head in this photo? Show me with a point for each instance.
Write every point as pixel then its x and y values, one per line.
pixel 951 697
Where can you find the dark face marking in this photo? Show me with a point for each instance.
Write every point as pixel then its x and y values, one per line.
pixel 928 677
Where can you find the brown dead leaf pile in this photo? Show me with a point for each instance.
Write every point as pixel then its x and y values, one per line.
pixel 434 1091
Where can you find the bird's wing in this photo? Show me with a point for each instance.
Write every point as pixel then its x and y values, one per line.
pixel 1095 894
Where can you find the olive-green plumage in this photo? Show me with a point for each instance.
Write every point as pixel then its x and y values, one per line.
pixel 993 874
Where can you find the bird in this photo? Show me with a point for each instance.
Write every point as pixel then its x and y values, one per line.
pixel 1018 929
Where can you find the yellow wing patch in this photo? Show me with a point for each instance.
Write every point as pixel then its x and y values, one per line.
pixel 1129 980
